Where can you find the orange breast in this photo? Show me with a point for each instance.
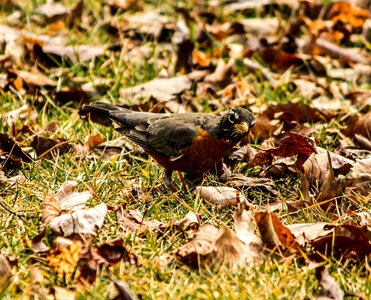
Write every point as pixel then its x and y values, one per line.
pixel 202 156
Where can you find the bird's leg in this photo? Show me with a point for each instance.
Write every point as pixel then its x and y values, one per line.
pixel 168 182
pixel 222 171
pixel 182 181
pixel 195 178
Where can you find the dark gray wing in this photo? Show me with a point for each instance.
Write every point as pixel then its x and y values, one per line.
pixel 169 136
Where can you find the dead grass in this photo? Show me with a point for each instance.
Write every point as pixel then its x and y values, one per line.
pixel 21 205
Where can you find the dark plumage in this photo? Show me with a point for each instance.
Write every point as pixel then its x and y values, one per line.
pixel 191 142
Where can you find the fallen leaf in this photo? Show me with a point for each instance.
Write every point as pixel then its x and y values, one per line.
pixel 6 273
pixel 221 195
pixel 11 154
pixel 359 181
pixel 85 221
pixel 273 234
pixel 342 242
pixel 306 232
pixel 348 13
pixel 49 148
pixel 189 224
pixel 347 55
pixel 38 245
pixel 262 130
pixel 244 225
pixel 17 179
pixel 76 54
pixel 76 96
pixel 360 126
pixel 160 89
pixel 148 24
pixel 290 112
pixel 65 212
pixel 93 141
pixel 304 147
pixel 251 183
pixel 321 181
pixel 132 221
pixel 61 293
pixel 230 250
pixel 34 78
pixel 124 292
pixel 26 115
pixel 64 259
pixel 221 75
pixel 214 248
pixel 330 289
pixel 113 251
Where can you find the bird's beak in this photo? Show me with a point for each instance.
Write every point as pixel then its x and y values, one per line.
pixel 242 128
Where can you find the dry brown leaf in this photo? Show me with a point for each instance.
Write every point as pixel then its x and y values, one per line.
pixel 93 141
pixel 124 292
pixel 148 23
pixel 114 251
pixel 306 232
pixel 343 242
pixel 361 126
pixel 221 195
pixel 320 179
pixel 363 142
pixel 76 54
pixel 193 252
pixel 122 4
pixel 262 130
pixel 294 144
pixel 6 274
pixel 50 148
pixel 297 112
pixel 11 154
pixel 348 13
pixel 242 182
pixel 38 245
pixel 162 89
pixel 74 95
pixel 52 11
pixel 330 289
pixel 273 234
pixel 34 78
pixel 132 221
pixel 244 225
pixel 189 224
pixel 230 250
pixel 61 293
pixel 85 221
pixel 17 179
pixel 201 58
pixel 359 181
pixel 221 75
pixel 214 248
pixel 66 213
pixel 347 55
pixel 26 114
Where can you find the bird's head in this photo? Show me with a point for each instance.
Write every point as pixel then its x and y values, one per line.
pixel 235 124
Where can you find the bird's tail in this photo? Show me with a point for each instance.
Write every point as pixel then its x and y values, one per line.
pixel 103 113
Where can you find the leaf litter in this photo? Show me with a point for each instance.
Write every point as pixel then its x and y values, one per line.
pixel 305 77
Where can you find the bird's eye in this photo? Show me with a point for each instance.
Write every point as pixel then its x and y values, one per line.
pixel 233 116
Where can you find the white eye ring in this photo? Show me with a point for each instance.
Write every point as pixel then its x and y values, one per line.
pixel 232 116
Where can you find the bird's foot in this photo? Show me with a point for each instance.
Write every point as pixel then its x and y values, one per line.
pixel 168 182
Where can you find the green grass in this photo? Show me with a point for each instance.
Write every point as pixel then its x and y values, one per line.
pixel 20 211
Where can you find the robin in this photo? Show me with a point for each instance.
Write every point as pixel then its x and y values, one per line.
pixel 193 143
